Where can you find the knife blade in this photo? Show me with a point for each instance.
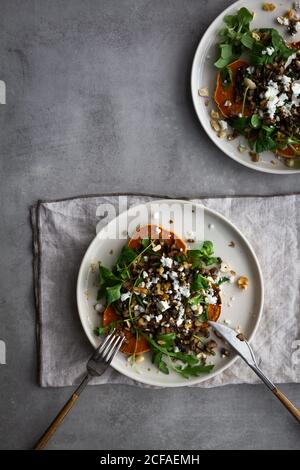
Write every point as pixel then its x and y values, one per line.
pixel 239 343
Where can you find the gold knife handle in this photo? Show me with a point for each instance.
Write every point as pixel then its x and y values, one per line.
pixel 289 406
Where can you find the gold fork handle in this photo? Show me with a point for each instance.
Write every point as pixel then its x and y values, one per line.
pixel 61 415
pixel 291 408
pixel 56 422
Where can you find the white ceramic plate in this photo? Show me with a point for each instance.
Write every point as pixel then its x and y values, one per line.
pixel 245 310
pixel 204 75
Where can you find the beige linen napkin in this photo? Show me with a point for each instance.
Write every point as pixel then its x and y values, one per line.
pixel 62 231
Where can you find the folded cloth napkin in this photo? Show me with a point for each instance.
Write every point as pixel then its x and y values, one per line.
pixel 62 231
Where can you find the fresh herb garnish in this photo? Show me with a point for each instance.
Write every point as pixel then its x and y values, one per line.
pixel 204 256
pixel 235 36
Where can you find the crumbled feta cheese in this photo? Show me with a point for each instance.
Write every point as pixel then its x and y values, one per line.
pixel 163 305
pixel 166 262
pixel 159 318
pixel 125 296
pixel 272 90
pixel 146 258
pixel 211 299
pixel 145 274
pixel 296 88
pixel 268 51
pixel 173 275
pixel 185 291
pixel 281 100
pixel 223 124
pixel 176 349
pixel 286 81
pixel 290 60
pixel 250 69
pixel 155 280
pixel 165 276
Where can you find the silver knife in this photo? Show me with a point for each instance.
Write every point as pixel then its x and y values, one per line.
pixel 240 344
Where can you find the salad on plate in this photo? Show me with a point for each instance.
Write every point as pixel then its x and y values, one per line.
pixel 257 90
pixel 160 296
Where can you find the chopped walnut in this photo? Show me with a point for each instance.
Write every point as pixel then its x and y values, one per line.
pixel 203 92
pixel 214 114
pixel 254 156
pixel 269 6
pixel 243 282
pixel 215 125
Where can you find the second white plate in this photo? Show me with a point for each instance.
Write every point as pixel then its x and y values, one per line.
pixel 204 74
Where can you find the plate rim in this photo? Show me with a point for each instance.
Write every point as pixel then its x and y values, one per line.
pixel 202 378
pixel 194 94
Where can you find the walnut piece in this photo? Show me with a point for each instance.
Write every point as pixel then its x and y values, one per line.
pixel 203 92
pixel 269 6
pixel 243 282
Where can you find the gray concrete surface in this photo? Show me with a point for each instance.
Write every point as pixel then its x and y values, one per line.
pixel 98 100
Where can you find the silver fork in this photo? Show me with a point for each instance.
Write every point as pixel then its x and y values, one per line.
pixel 97 365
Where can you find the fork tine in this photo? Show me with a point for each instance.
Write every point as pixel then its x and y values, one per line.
pixel 107 341
pixel 114 349
pixel 108 346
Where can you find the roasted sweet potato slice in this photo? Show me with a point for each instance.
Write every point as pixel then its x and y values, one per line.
pixel 130 346
pixel 223 94
pixel 289 152
pixel 151 231
pixel 214 311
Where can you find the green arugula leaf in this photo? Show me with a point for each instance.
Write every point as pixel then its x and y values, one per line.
pixel 127 255
pixel 255 121
pixel 204 315
pixel 196 300
pixel 193 371
pixel 145 242
pixel 240 124
pixel 157 360
pixel 204 256
pixel 222 280
pixel 107 277
pixel 113 293
pixel 200 282
pixel 247 40
pixel 226 77
pixel 235 37
pixel 264 142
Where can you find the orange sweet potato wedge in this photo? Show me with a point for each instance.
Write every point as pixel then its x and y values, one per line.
pixel 214 311
pixel 288 152
pixel 150 231
pixel 130 346
pixel 223 94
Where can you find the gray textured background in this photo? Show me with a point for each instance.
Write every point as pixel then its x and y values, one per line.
pixel 98 100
